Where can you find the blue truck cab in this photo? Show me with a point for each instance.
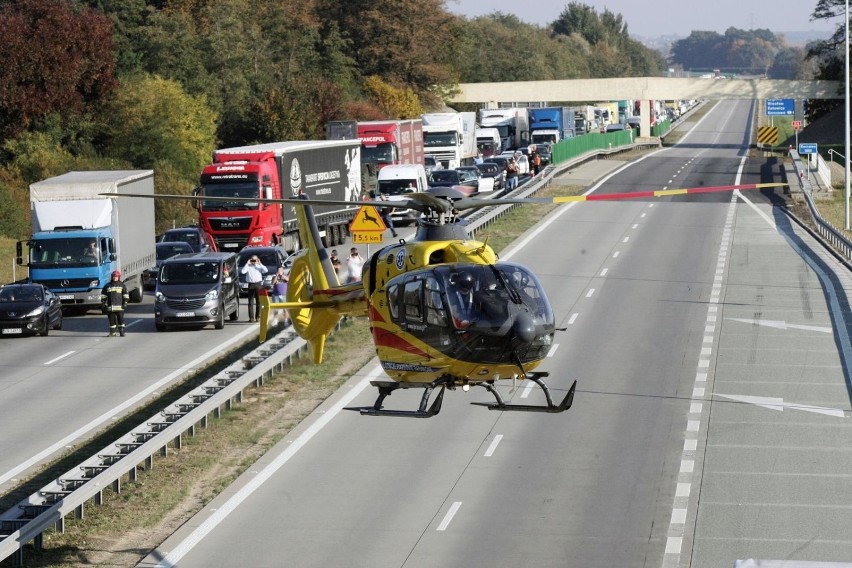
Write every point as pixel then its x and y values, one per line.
pixel 82 231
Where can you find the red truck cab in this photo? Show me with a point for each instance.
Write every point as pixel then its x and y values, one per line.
pixel 237 224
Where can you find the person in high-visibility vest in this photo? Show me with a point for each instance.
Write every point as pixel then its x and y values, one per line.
pixel 114 297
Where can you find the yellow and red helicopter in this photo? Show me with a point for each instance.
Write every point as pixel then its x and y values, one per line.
pixel 444 311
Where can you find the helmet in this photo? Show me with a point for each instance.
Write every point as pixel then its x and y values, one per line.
pixel 116 273
pixel 464 281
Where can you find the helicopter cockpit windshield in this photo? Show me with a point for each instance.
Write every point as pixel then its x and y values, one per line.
pixel 485 313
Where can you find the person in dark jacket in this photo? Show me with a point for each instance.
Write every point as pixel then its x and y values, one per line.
pixel 114 298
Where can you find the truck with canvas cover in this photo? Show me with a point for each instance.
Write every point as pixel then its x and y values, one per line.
pixel 321 169
pixel 82 232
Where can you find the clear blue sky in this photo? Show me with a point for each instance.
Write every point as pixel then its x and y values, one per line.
pixel 655 18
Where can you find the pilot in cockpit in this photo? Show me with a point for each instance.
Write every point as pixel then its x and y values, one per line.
pixel 465 304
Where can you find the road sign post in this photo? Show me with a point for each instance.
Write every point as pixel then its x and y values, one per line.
pixel 808 149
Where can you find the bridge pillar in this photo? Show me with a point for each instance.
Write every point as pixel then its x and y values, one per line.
pixel 644 118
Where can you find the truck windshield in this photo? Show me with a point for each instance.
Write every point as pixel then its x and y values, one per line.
pixel 66 252
pixel 381 153
pixel 237 189
pixel 543 138
pixel 435 139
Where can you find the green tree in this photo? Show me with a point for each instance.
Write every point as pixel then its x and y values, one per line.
pixel 153 121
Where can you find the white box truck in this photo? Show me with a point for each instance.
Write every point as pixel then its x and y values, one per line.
pixel 80 236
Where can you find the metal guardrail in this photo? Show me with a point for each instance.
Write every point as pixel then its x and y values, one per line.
pixel 68 494
pixel 826 230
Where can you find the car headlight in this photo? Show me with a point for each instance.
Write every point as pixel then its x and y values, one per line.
pixel 94 284
pixel 211 295
pixel 36 312
pixel 158 297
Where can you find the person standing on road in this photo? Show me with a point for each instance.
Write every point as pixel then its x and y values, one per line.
pixel 385 214
pixel 254 271
pixel 511 175
pixel 355 263
pixel 114 298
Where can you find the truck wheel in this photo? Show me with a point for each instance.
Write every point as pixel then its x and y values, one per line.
pixel 220 321
pixel 135 295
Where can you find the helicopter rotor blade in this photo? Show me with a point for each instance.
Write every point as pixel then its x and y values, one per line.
pixel 419 201
pixel 469 203
pixel 444 202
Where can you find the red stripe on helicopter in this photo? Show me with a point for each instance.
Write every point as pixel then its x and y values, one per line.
pixel 385 338
pixel 663 192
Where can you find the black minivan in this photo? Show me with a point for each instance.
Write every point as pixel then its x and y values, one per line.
pixel 196 290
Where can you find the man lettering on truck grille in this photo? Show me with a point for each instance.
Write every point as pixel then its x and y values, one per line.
pixel 114 298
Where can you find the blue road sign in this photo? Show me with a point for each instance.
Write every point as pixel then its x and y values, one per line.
pixel 780 107
pixel 807 148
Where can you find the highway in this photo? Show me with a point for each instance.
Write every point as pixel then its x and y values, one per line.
pixel 710 340
pixel 58 390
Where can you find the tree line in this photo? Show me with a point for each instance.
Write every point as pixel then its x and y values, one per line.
pixel 119 84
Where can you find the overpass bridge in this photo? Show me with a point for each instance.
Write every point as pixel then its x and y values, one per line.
pixel 643 89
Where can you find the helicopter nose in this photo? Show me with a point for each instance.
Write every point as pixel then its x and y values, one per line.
pixel 524 328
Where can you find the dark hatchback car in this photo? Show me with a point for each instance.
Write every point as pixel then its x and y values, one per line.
pixel 28 309
pixel 164 251
pixel 502 163
pixel 198 239
pixel 492 170
pixel 446 178
pixel 270 257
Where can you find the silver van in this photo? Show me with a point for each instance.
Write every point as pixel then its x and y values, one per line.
pixel 196 290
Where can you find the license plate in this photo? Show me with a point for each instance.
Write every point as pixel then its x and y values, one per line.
pixel 65 296
pixel 230 245
pixel 12 330
pixel 185 314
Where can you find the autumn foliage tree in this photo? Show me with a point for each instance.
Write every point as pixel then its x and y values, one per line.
pixel 57 57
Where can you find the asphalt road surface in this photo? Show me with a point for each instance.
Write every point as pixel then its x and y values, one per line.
pixel 710 341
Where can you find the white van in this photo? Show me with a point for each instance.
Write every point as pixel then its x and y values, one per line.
pixel 396 181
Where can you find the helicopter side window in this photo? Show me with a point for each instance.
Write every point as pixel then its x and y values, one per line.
pixel 393 301
pixel 412 302
pixel 436 314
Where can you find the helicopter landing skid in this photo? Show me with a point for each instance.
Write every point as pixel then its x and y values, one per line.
pixel 537 379
pixel 386 388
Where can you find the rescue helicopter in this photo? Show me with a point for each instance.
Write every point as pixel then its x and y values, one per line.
pixel 444 312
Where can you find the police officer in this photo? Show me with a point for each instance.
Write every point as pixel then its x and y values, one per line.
pixel 114 298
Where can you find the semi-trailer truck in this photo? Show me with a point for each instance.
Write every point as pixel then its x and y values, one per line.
pixel 548 126
pixel 320 169
pixel 513 124
pixel 450 137
pixel 82 231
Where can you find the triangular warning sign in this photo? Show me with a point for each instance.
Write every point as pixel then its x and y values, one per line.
pixel 367 219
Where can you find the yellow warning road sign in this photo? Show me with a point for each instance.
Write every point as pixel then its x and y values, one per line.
pixel 767 135
pixel 367 219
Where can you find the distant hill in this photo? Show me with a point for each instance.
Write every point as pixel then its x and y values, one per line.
pixel 793 39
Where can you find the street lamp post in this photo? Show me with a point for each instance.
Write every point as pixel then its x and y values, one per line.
pixel 846 122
